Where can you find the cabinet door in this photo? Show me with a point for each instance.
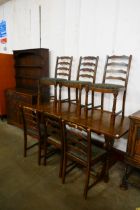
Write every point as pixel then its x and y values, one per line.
pixel 13 115
pixel 14 99
pixel 137 142
pixel 134 142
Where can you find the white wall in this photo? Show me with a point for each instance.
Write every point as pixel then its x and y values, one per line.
pixel 79 27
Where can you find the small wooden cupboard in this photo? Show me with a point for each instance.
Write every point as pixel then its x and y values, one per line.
pixel 30 66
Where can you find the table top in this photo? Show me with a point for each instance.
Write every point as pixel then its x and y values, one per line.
pixel 135 116
pixel 97 120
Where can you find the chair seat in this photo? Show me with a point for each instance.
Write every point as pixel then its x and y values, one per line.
pixel 54 143
pixel 79 150
pixel 53 136
pixel 75 83
pixel 108 86
pixel 55 140
pixel 49 81
pixel 96 152
pixel 34 132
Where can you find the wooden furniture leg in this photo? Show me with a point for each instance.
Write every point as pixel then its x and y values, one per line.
pixel 108 145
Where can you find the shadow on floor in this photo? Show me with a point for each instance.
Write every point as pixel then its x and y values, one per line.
pixel 26 186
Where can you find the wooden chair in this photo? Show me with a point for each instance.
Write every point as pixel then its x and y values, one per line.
pixel 72 84
pixel 33 127
pixel 86 75
pixel 87 71
pixel 54 141
pixel 115 80
pixel 62 72
pixel 63 67
pixel 79 150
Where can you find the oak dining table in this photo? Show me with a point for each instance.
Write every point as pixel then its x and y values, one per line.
pixel 97 120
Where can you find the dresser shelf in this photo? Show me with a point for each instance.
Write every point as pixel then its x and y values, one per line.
pixel 30 66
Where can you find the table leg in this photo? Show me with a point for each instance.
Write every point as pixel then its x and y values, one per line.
pixel 108 145
pixel 124 185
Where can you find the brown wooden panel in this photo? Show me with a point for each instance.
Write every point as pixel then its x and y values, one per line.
pixel 30 66
pixel 14 99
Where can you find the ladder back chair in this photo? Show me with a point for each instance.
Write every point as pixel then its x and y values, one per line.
pixel 86 75
pixel 63 67
pixel 62 72
pixel 33 127
pixel 87 71
pixel 115 80
pixel 79 150
pixel 87 68
pixel 54 141
pixel 72 84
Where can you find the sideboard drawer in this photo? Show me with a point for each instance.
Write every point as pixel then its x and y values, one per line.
pixel 14 98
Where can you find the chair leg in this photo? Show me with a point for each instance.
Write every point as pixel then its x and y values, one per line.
pixel 61 165
pixel 64 169
pixel 25 145
pixel 86 101
pixel 92 102
pixel 102 101
pixel 124 185
pixel 39 153
pixel 55 92
pixel 45 151
pixel 76 95
pixel 69 98
pixel 123 105
pixel 114 103
pixel 87 182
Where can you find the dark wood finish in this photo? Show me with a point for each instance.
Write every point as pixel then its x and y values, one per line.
pixel 79 149
pixel 14 98
pixel 54 143
pixel 115 80
pixel 62 72
pixel 98 121
pixel 63 67
pixel 87 72
pixel 77 86
pixel 86 75
pixel 132 158
pixel 87 68
pixel 30 66
pixel 32 127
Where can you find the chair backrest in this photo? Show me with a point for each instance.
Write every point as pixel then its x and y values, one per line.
pixel 77 142
pixel 31 122
pixel 63 67
pixel 117 69
pixel 54 129
pixel 87 68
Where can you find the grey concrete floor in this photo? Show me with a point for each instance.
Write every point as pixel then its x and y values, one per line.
pixel 26 186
